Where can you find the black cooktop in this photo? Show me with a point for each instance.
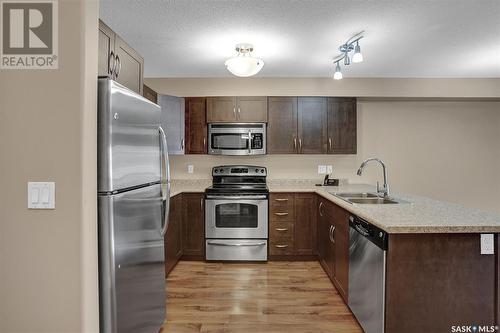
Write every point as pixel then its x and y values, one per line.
pixel 238 179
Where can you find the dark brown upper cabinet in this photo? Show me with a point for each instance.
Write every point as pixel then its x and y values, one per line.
pixel 150 94
pixel 312 125
pixel 249 109
pixel 195 125
pixel 117 60
pixel 342 125
pixel 282 125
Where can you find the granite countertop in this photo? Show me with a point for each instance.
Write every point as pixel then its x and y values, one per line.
pixel 419 215
pixel 178 186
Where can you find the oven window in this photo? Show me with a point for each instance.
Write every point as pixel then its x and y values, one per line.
pixel 229 141
pixel 236 215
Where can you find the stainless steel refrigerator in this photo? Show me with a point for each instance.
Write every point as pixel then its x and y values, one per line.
pixel 133 205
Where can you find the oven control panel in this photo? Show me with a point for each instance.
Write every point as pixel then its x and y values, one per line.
pixel 239 170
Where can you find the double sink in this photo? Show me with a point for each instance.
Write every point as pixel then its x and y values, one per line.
pixel 368 199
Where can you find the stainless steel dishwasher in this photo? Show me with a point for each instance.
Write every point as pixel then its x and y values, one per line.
pixel 367 255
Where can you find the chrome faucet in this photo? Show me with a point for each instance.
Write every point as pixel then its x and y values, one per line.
pixel 384 191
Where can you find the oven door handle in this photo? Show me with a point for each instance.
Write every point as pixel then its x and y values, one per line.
pixel 236 244
pixel 236 197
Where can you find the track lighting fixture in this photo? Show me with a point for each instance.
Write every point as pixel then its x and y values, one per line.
pixel 352 44
pixel 338 74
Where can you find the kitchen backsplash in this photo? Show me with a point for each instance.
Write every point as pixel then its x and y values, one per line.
pixel 278 166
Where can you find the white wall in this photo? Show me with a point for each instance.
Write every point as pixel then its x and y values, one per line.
pixel 48 261
pixel 441 149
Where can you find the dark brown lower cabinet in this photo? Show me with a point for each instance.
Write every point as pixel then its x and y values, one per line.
pixel 193 240
pixel 333 244
pixel 436 281
pixel 173 236
pixel 292 226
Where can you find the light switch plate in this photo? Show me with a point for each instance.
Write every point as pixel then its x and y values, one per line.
pixel 321 169
pixel 41 195
pixel 487 244
pixel 190 168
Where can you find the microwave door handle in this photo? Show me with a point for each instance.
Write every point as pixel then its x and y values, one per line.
pixel 249 142
pixel 165 180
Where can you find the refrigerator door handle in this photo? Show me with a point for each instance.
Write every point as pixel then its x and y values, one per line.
pixel 165 180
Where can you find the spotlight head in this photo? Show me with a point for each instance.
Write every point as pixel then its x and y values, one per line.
pixel 358 56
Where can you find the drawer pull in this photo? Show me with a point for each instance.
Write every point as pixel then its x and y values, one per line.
pixel 281 199
pixel 281 214
pixel 281 229
pixel 280 246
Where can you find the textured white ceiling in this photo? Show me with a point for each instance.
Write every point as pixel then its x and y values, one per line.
pixel 405 38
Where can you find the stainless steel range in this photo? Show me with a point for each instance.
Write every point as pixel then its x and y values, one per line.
pixel 236 214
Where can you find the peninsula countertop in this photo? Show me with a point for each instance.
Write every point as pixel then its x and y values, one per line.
pixel 419 215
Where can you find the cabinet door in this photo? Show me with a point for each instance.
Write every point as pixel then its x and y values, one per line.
pixel 341 250
pixel 221 109
pixel 150 94
pixel 195 125
pixel 173 237
pixel 193 242
pixel 282 125
pixel 342 126
pixel 130 66
pixel 106 46
pixel 324 244
pixel 312 125
pixel 172 121
pixel 305 224
pixel 252 109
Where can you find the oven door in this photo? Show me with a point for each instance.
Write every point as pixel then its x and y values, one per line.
pixel 237 139
pixel 236 217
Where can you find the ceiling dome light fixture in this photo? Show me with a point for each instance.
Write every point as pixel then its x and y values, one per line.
pixel 345 48
pixel 244 65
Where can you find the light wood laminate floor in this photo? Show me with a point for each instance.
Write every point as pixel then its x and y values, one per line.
pixel 288 297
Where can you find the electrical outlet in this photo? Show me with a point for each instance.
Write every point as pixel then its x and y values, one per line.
pixel 329 169
pixel 190 168
pixel 487 244
pixel 321 169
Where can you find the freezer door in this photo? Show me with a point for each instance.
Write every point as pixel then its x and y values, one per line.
pixel 128 138
pixel 131 261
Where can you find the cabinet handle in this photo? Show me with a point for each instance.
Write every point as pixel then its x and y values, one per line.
pixel 182 144
pixel 281 199
pixel 281 214
pixel 300 145
pixel 281 229
pixel 119 63
pixel 330 143
pixel 234 112
pixel 111 57
pixel 331 234
pixel 321 208
pixel 295 144
pixel 281 246
pixel 201 203
pixel 204 142
pixel 239 113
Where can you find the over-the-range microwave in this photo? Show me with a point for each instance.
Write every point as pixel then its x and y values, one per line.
pixel 237 139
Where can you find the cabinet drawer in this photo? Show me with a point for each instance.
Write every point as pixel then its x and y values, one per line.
pixel 281 207
pixel 281 246
pixel 280 229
